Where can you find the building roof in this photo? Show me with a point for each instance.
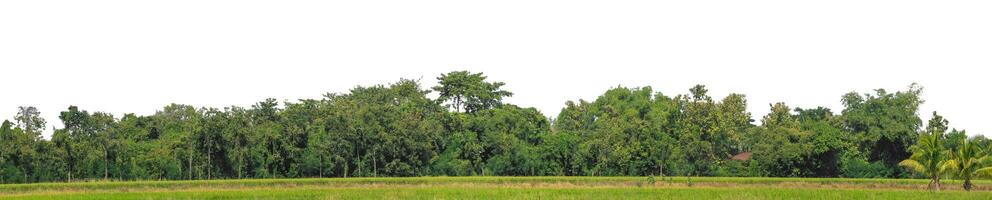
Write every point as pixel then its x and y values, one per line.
pixel 742 156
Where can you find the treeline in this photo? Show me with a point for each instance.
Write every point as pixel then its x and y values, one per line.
pixel 397 130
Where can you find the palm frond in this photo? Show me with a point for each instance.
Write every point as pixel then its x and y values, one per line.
pixel 913 165
pixel 984 172
pixel 949 165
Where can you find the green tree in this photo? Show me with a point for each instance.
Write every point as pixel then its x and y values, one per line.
pixel 237 134
pixel 625 131
pixel 780 146
pixel 507 136
pixel 69 139
pixel 708 132
pixel 130 144
pixel 265 151
pixel 19 154
pixel 179 124
pixel 953 139
pixel 884 125
pixel 211 143
pixel 30 121
pixel 968 162
pixel 733 122
pixel 928 153
pixel 101 137
pixel 829 140
pixel 469 92
pixel 305 134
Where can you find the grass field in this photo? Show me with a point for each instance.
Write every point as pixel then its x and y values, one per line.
pixel 502 188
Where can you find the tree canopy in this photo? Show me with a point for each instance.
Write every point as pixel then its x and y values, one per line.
pixel 397 129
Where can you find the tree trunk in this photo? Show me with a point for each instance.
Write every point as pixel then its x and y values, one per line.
pixel 209 164
pixel 105 162
pixel 104 168
pixel 661 170
pixel 934 183
pixel 241 159
pixel 967 185
pixel 375 170
pixel 190 160
pixel 272 153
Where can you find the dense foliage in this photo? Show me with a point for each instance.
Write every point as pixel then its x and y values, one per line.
pixel 398 130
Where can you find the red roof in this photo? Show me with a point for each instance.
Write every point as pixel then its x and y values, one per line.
pixel 742 156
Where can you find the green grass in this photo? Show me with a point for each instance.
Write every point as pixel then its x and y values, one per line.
pixel 525 193
pixel 499 188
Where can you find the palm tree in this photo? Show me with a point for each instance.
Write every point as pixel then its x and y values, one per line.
pixel 969 161
pixel 928 158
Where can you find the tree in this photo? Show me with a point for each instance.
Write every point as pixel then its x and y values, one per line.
pixel 884 125
pixel 237 133
pixel 953 139
pixel 397 130
pixel 180 124
pixel 210 141
pixel 131 142
pixel 969 161
pixel 19 154
pixel 101 136
pixel 708 132
pixel 265 152
pixel 625 131
pixel 30 121
pixel 69 139
pixel 6 148
pixel 733 122
pixel 780 146
pixel 23 144
pixel 506 136
pixel 695 123
pixel 305 137
pixel 469 91
pixel 928 152
pixel 828 139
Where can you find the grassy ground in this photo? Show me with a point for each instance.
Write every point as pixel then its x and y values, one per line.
pixel 501 188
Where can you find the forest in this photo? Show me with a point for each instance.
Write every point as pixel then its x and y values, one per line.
pixel 398 130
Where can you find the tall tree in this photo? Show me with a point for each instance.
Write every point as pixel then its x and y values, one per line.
pixel 928 153
pixel 733 121
pixel 969 161
pixel 210 141
pixel 780 146
pixel 71 138
pixel 828 138
pixel 237 133
pixel 694 124
pixel 884 124
pixel 6 148
pixel 625 131
pixel 29 119
pixel 469 92
pixel 266 153
pixel 180 124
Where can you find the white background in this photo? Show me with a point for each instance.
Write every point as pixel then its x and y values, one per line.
pixel 137 56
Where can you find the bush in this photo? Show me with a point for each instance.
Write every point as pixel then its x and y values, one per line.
pixel 857 166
